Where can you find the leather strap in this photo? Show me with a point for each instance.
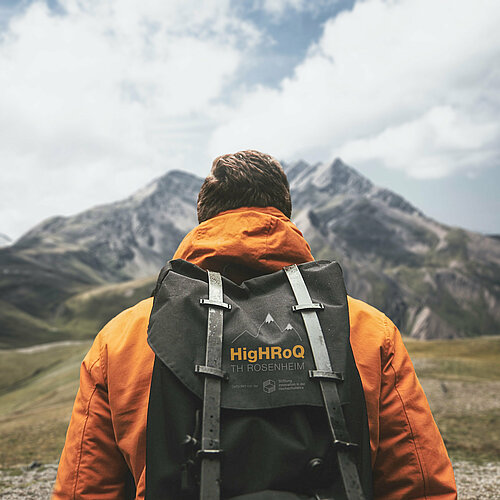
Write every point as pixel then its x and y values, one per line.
pixel 329 390
pixel 210 451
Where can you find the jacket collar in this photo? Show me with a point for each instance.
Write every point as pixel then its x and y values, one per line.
pixel 245 242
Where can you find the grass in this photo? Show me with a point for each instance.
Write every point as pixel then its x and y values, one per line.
pixel 35 410
pixel 87 312
pixel 461 379
pixel 476 438
pixel 18 328
pixel 461 359
pixel 78 317
pixel 38 386
pixel 21 367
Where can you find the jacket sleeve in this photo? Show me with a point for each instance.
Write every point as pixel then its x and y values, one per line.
pixel 91 464
pixel 411 461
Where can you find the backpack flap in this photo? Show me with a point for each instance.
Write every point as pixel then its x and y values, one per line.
pixel 265 352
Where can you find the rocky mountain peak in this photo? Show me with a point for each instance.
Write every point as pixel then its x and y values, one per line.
pixel 174 182
pixel 329 178
pixel 433 281
pixel 344 177
pixel 125 239
pixel 296 169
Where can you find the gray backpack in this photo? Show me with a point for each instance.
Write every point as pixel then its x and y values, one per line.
pixel 255 393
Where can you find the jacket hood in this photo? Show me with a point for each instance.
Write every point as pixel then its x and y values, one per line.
pixel 245 242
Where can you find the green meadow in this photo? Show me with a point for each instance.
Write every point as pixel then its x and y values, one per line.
pixel 461 379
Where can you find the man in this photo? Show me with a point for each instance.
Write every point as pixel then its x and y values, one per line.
pixel 244 211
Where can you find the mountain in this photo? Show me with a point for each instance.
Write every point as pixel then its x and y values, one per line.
pixel 122 240
pixel 432 280
pixel 5 241
pixel 64 256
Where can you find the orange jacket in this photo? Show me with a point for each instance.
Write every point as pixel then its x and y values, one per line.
pixel 107 433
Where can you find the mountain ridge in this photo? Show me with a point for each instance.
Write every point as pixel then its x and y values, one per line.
pixel 434 281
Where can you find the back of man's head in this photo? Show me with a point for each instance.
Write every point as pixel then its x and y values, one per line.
pixel 244 179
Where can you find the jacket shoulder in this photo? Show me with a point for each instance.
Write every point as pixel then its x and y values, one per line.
pixel 362 314
pixel 371 331
pixel 130 326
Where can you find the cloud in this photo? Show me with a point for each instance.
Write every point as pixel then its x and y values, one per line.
pixel 431 146
pixel 101 96
pixel 109 94
pixel 412 84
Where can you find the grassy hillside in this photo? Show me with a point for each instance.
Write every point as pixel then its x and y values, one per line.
pixel 78 317
pixel 37 390
pixel 19 328
pixel 461 379
pixel 83 315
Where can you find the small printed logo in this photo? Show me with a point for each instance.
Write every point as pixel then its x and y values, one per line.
pixel 269 331
pixel 269 386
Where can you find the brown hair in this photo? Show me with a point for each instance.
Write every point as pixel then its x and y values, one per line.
pixel 244 179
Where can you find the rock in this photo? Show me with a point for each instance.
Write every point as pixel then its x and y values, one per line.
pixel 474 481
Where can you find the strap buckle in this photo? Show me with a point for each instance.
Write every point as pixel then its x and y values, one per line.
pixel 209 453
pixel 215 303
pixel 326 375
pixel 211 371
pixel 337 443
pixel 308 307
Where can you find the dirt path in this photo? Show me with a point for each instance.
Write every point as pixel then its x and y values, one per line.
pixel 475 482
pixel 46 346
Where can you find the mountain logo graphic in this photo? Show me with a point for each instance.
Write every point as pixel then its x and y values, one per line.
pixel 270 330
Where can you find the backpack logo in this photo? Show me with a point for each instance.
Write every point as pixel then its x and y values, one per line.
pixel 270 332
pixel 269 386
pixel 281 349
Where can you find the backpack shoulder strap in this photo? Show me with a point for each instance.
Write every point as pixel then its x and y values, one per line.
pixel 210 428
pixel 328 380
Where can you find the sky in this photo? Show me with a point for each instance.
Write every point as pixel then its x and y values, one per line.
pixel 99 97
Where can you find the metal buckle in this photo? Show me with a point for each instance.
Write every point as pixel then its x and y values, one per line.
pixel 215 303
pixel 307 307
pixel 211 371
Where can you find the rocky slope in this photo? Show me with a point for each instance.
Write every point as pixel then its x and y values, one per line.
pixel 432 280
pixel 112 243
pixel 121 240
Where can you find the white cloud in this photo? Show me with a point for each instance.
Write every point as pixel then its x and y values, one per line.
pixel 108 94
pixel 431 146
pixel 97 100
pixel 412 83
